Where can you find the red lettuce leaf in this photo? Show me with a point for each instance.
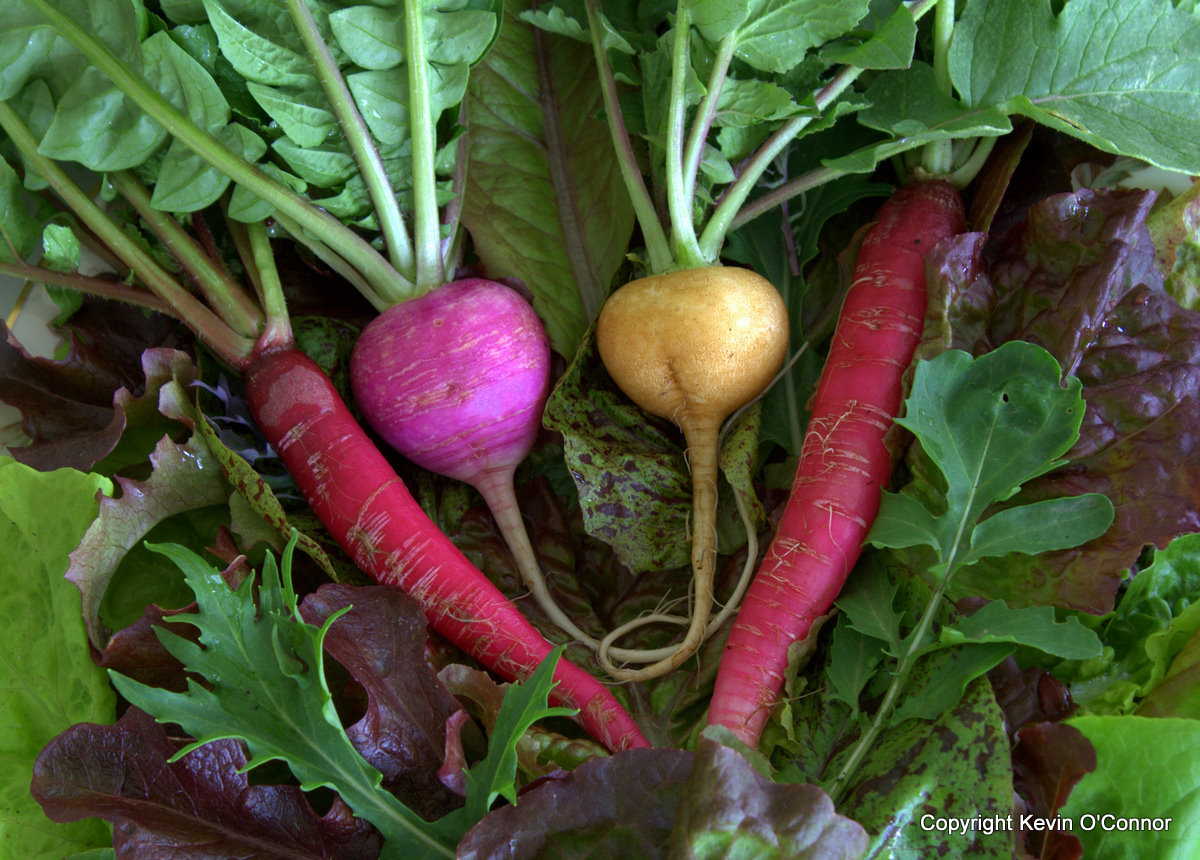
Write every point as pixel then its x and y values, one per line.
pixel 67 405
pixel 1049 759
pixel 619 806
pixel 729 809
pixel 198 808
pixel 380 641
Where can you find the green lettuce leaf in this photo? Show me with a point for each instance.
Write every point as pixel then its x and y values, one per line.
pixel 1146 769
pixel 48 677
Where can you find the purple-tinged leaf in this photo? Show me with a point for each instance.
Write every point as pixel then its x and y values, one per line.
pixel 619 806
pixel 381 642
pixel 198 808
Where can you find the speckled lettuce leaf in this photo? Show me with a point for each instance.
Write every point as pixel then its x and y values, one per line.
pixel 955 765
pixel 1078 277
pixel 47 674
pixel 628 467
pixel 544 201
pixel 630 471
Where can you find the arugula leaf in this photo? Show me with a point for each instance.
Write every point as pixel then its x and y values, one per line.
pixel 989 425
pixel 1035 626
pixel 266 687
pixel 1123 75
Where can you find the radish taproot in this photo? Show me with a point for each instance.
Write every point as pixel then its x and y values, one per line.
pixel 360 499
pixel 694 346
pixel 844 463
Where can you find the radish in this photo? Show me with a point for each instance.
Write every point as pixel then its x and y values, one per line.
pixel 844 464
pixel 694 346
pixel 366 507
pixel 358 497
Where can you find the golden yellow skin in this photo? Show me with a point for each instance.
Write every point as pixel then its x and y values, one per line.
pixel 696 344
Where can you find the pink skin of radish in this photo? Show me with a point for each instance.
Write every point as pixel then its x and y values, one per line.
pixel 844 464
pixel 455 380
pixel 365 506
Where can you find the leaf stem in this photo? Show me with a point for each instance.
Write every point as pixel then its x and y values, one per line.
pixel 334 260
pixel 225 342
pixel 938 156
pixel 374 268
pixel 427 228
pixel 705 115
pixel 679 202
pixel 721 221
pixel 653 234
pixel 278 330
pixel 897 685
pixel 222 293
pixel 358 136
pixel 93 286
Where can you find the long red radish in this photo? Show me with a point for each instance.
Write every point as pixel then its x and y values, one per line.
pixel 364 504
pixel 844 464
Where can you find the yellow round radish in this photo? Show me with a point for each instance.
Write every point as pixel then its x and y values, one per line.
pixel 694 346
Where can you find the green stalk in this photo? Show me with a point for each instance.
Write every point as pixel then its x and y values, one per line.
pixel 375 269
pixel 358 136
pixel 278 330
pixel 231 346
pixel 719 223
pixel 333 260
pixel 806 182
pixel 653 234
pixel 105 289
pixel 679 201
pixel 427 228
pixel 938 157
pixel 721 220
pixel 222 293
pixel 707 111
pixel 897 685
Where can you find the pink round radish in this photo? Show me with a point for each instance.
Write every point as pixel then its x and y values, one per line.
pixel 456 379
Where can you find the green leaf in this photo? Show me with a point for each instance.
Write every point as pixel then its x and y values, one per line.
pixel 266 686
pixel 1146 769
pixel 774 35
pixel 544 200
pixel 303 114
pixel 256 57
pixel 60 247
pixel 989 424
pixel 891 46
pixel 187 183
pixel 98 127
pixel 1123 75
pixel 1033 626
pixel 495 776
pixel 902 522
pixel 854 658
pixel 908 104
pixel 935 691
pixel 1042 526
pixel 47 674
pixel 869 603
